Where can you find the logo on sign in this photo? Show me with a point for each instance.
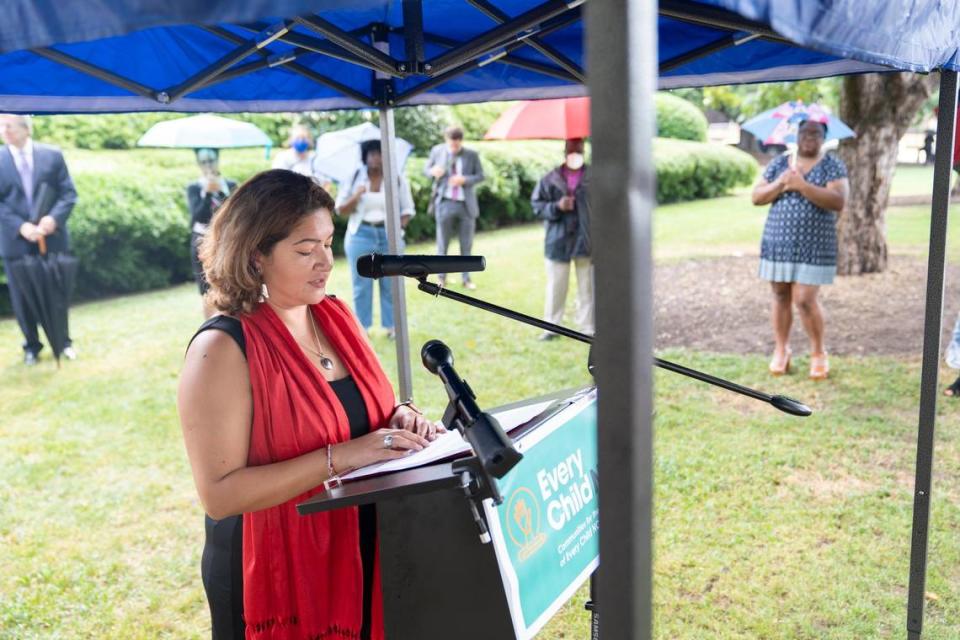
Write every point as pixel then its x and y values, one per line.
pixel 523 523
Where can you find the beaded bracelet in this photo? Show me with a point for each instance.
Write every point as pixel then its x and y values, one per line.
pixel 333 479
pixel 408 403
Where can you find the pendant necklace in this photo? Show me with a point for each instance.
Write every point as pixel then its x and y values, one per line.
pixel 325 362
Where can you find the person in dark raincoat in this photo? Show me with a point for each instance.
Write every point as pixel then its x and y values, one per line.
pixel 560 200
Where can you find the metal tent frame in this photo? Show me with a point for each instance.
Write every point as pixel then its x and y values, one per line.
pixel 624 70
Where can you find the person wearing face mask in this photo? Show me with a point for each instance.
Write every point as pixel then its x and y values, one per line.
pixel 204 197
pixel 560 200
pixel 364 200
pixel 299 155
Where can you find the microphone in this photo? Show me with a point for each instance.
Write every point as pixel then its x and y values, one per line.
pixel 376 265
pixel 493 448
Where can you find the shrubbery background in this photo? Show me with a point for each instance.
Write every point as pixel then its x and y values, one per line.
pixel 130 226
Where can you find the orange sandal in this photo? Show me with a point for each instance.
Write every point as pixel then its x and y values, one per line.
pixel 780 367
pixel 819 367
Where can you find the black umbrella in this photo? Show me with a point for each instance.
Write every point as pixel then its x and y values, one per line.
pixel 46 283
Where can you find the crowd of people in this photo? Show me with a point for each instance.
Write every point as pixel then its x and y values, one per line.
pixel 281 390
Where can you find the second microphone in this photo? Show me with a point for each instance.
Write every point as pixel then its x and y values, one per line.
pixel 376 265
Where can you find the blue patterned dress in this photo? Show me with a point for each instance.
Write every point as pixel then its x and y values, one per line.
pixel 800 239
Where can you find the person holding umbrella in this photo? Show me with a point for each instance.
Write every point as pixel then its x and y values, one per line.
pixel 204 197
pixel 560 199
pixel 798 253
pixel 299 154
pixel 363 199
pixel 27 169
pixel 206 134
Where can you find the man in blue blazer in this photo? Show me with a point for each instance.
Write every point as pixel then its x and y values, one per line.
pixel 24 167
pixel 455 171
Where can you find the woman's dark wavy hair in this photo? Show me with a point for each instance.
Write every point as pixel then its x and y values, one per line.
pixel 259 214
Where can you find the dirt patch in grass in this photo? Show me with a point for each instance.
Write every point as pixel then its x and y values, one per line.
pixel 823 488
pixel 721 305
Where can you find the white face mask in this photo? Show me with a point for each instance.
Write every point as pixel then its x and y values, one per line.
pixel 574 161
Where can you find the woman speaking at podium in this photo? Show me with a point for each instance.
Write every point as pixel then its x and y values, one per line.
pixel 278 394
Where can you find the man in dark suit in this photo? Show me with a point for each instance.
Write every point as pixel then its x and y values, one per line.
pixel 24 167
pixel 456 172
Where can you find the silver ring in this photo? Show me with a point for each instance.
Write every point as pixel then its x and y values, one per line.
pixel 388 441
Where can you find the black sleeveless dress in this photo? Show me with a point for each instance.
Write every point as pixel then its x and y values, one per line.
pixel 221 565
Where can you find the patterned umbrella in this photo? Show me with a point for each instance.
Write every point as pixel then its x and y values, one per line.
pixel 779 125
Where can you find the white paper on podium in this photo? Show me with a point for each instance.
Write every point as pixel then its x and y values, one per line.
pixel 449 444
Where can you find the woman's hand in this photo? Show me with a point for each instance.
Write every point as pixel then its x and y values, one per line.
pixel 412 420
pixel 371 448
pixel 792 180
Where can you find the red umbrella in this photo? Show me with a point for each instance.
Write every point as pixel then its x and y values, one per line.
pixel 559 119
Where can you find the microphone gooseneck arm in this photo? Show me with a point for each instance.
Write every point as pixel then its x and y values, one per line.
pixel 783 403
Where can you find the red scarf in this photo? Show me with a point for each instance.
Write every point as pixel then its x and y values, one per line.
pixel 302 576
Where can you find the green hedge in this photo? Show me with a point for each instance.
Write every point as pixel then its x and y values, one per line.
pixel 130 226
pixel 693 170
pixel 677 118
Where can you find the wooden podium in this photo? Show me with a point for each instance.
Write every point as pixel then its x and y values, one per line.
pixel 439 580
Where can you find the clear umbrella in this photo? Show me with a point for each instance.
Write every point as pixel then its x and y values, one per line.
pixel 204 131
pixel 338 152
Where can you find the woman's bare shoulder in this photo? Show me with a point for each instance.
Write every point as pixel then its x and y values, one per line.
pixel 215 349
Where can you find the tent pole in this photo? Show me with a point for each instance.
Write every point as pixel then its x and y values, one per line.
pixel 95 71
pixel 936 265
pixel 413 34
pixel 207 74
pixel 557 57
pixel 716 18
pixel 292 65
pixel 622 77
pixel 477 63
pixel 499 36
pixel 390 184
pixel 377 59
pixel 383 87
pixel 316 45
pixel 514 61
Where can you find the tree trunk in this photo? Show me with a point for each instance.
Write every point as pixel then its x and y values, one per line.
pixel 880 108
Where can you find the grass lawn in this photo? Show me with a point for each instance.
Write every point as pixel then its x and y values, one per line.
pixel 912 180
pixel 766 526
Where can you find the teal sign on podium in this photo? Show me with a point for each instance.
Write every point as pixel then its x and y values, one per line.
pixel 546 531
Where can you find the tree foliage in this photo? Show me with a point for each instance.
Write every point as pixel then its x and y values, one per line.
pixel 741 102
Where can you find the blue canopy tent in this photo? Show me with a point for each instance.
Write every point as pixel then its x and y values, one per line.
pixel 330 54
pixel 77 56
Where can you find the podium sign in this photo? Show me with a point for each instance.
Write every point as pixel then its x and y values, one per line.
pixel 546 531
